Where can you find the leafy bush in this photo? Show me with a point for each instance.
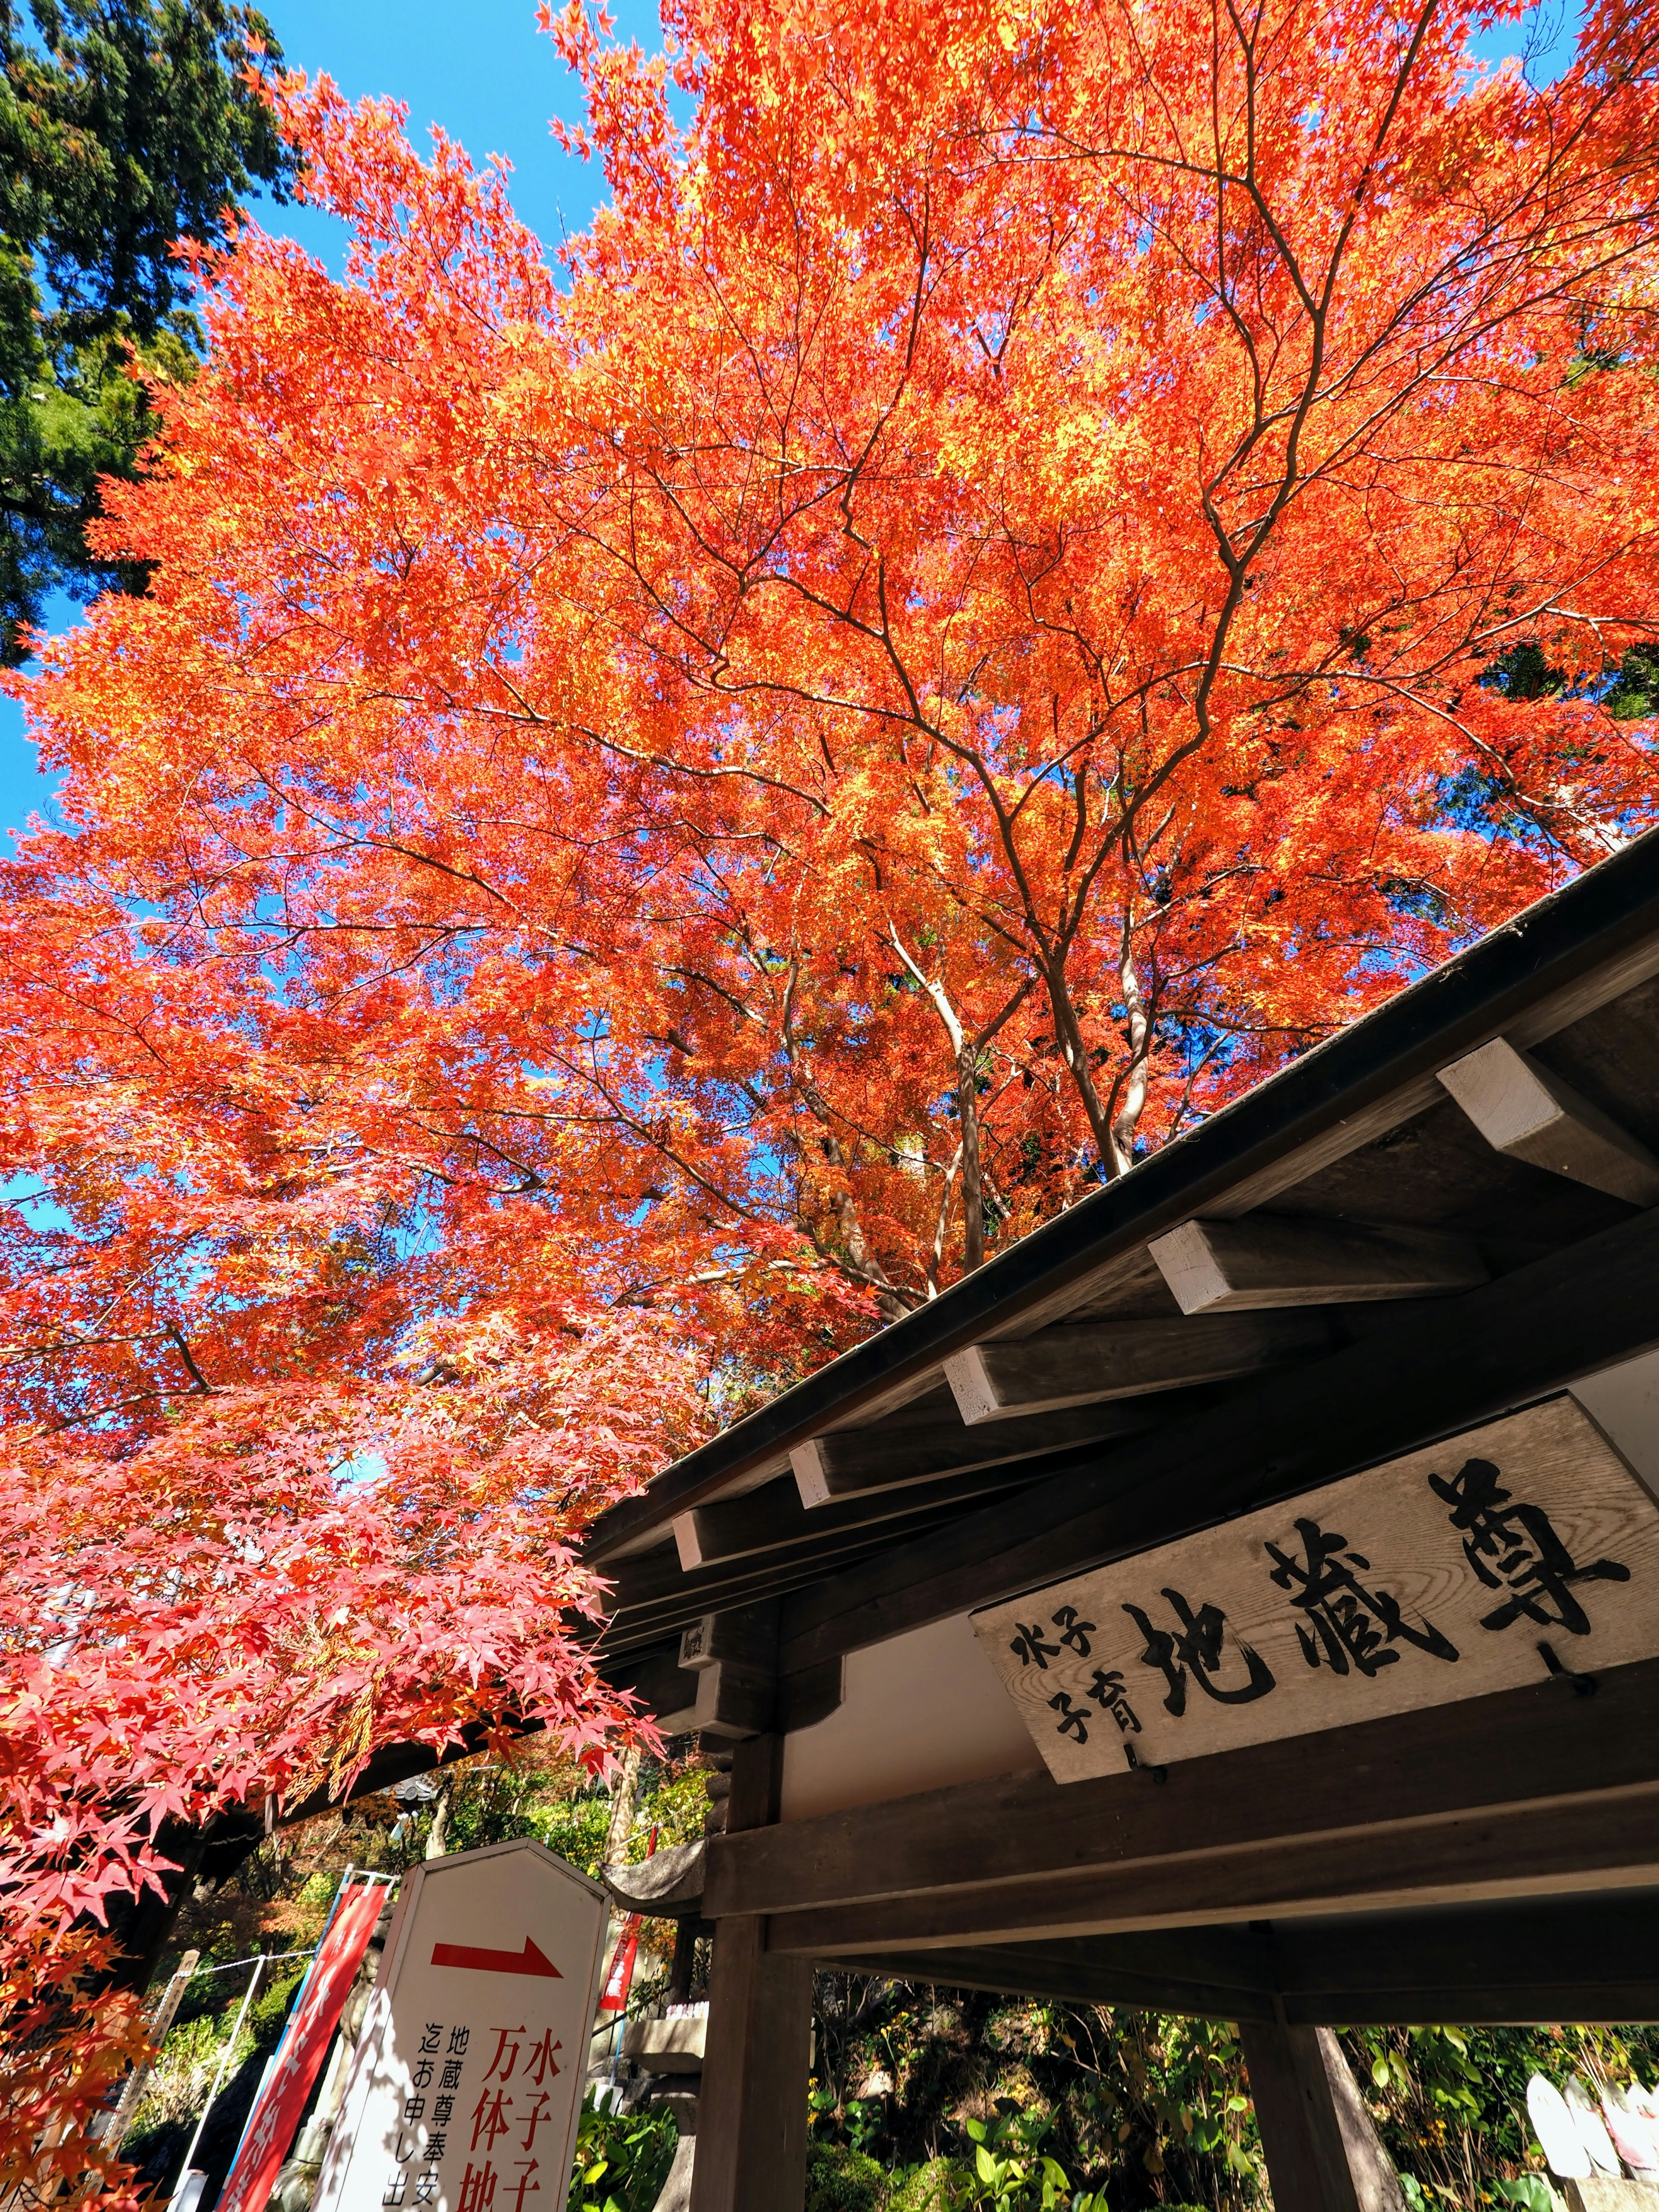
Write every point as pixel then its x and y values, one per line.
pixel 1152 2105
pixel 840 2179
pixel 621 2158
pixel 930 2188
pixel 1013 2171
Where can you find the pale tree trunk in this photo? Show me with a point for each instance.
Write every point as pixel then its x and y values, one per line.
pixel 936 1261
pixel 622 1808
pixel 861 1263
pixel 435 1844
pixel 972 1184
pixel 965 1050
pixel 1068 1033
pixel 1133 1096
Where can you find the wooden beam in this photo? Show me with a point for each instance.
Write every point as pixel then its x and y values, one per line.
pixel 1581 1957
pixel 727 1699
pixel 1289 1260
pixel 645 1576
pixel 730 1690
pixel 1515 1748
pixel 688 1599
pixel 732 1700
pixel 1414 1375
pixel 1569 1957
pixel 647 1583
pixel 1605 1840
pixel 752 2107
pixel 666 1885
pixel 1092 1361
pixel 656 1678
pixel 747 1633
pixel 769 1520
pixel 1066 1972
pixel 1219 1973
pixel 722 1677
pixel 1528 1113
pixel 856 1463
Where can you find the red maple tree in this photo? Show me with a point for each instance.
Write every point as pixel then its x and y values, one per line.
pixel 1039 559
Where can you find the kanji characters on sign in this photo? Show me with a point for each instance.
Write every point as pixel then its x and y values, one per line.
pixel 1372 1596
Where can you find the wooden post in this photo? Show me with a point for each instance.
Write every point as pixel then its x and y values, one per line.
pixel 685 1957
pixel 751 2109
pixel 1322 2151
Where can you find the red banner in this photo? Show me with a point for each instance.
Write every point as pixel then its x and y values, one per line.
pixel 619 1980
pixel 274 2119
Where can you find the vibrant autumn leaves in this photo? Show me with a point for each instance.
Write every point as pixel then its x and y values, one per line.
pixel 648 820
pixel 224 1616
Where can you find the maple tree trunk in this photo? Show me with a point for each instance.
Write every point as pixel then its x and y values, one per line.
pixel 1069 1033
pixel 622 1808
pixel 435 1845
pixel 861 1264
pixel 1128 1117
pixel 973 1189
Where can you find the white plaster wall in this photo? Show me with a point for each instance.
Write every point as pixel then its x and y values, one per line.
pixel 1625 1402
pixel 921 1711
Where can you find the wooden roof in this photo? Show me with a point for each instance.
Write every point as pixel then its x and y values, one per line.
pixel 922 1513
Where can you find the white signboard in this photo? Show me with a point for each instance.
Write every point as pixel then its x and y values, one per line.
pixel 468 2076
pixel 1521 1549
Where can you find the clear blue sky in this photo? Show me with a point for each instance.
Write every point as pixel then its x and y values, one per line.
pixel 491 80
pixel 484 73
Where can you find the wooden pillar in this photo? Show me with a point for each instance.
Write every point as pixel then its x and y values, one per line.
pixel 751 2108
pixel 1322 2151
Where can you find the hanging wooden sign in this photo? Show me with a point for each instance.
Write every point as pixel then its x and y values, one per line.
pixel 1522 1548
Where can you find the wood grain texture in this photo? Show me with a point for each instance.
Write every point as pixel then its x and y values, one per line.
pixel 851 1464
pixel 1518 1748
pixel 1098 1361
pixel 1528 1113
pixel 1581 1957
pixel 642 1581
pixel 1438 1576
pixel 1607 1840
pixel 687 1598
pixel 1066 1972
pixel 1288 1260
pixel 752 2113
pixel 732 1700
pixel 1322 2150
pixel 746 1633
pixel 771 1519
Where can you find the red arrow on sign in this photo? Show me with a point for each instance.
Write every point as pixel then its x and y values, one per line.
pixel 529 1961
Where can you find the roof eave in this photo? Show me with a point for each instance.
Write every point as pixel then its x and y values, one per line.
pixel 1528 967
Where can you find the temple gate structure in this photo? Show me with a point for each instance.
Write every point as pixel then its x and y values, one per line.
pixel 1241 1596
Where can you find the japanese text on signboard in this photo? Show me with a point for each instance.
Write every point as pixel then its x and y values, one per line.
pixel 1441 1576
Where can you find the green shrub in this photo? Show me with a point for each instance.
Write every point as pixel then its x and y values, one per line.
pixel 1532 2193
pixel 840 2180
pixel 935 2187
pixel 621 2158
